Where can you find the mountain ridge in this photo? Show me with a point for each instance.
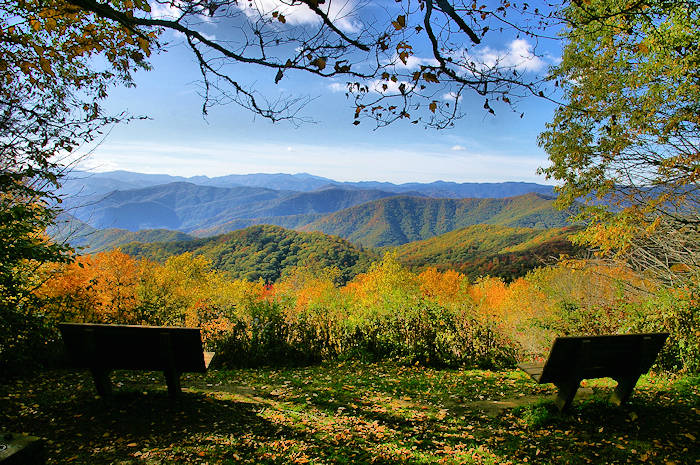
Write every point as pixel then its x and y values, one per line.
pixel 87 183
pixel 188 207
pixel 401 219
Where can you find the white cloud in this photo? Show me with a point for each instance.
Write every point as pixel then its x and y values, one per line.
pixel 458 148
pixel 343 162
pixel 413 62
pixel 451 97
pixel 211 37
pixel 165 10
pixel 519 55
pixel 337 87
pixel 341 12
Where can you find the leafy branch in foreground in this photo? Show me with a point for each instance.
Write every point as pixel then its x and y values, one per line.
pixel 50 106
pixel 628 141
pixel 409 57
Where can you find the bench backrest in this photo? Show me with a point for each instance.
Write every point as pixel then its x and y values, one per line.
pixel 601 356
pixel 134 347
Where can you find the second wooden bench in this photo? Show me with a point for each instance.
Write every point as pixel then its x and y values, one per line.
pixel 103 348
pixel 623 357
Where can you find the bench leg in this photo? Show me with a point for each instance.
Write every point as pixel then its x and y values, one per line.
pixel 565 396
pixel 625 386
pixel 102 383
pixel 172 378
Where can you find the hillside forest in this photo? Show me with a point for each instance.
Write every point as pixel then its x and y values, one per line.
pixel 356 322
pixel 300 268
pixel 305 300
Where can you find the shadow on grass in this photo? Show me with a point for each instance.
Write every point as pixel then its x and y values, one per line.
pixel 371 422
pixel 145 425
pixel 646 430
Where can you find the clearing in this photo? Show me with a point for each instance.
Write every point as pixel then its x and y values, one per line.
pixel 352 413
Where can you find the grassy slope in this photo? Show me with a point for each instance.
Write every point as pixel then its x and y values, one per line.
pixel 351 414
pixel 398 220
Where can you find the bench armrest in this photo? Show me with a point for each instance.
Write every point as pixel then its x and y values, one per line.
pixel 533 369
pixel 207 358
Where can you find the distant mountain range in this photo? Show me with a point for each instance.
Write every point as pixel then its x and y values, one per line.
pixel 145 201
pixel 245 223
pixel 386 221
pixel 84 184
pixel 187 207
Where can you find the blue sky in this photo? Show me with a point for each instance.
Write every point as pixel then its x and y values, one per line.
pixel 177 139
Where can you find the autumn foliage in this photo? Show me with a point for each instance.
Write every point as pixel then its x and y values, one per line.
pixel 439 318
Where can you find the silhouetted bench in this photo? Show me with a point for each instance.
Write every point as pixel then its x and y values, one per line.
pixel 103 348
pixel 623 357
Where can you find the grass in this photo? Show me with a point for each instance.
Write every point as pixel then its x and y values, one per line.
pixel 351 413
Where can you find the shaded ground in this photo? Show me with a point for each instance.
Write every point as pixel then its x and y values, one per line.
pixel 352 413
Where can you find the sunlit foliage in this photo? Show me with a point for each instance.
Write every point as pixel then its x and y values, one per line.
pixel 432 318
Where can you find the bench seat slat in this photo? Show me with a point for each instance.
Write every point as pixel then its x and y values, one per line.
pixel 532 369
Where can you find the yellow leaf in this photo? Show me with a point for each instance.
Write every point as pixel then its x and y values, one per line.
pixel 319 62
pixel 46 66
pixel 145 46
pixel 400 22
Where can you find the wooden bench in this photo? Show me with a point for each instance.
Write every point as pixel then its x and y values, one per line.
pixel 103 348
pixel 623 357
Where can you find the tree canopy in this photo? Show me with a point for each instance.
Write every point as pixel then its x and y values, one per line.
pixel 50 105
pixel 399 60
pixel 627 141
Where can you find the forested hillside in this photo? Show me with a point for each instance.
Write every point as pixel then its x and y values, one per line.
pixel 490 250
pixel 399 220
pixel 265 252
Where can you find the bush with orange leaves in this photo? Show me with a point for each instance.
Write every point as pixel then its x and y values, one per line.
pixel 432 317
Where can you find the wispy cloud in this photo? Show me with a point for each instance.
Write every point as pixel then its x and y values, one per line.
pixel 338 87
pixel 343 162
pixel 165 10
pixel 518 55
pixel 451 97
pixel 343 13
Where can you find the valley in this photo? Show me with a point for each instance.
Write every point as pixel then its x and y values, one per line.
pixel 261 226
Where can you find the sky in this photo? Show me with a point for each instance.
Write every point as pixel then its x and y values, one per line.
pixel 178 139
